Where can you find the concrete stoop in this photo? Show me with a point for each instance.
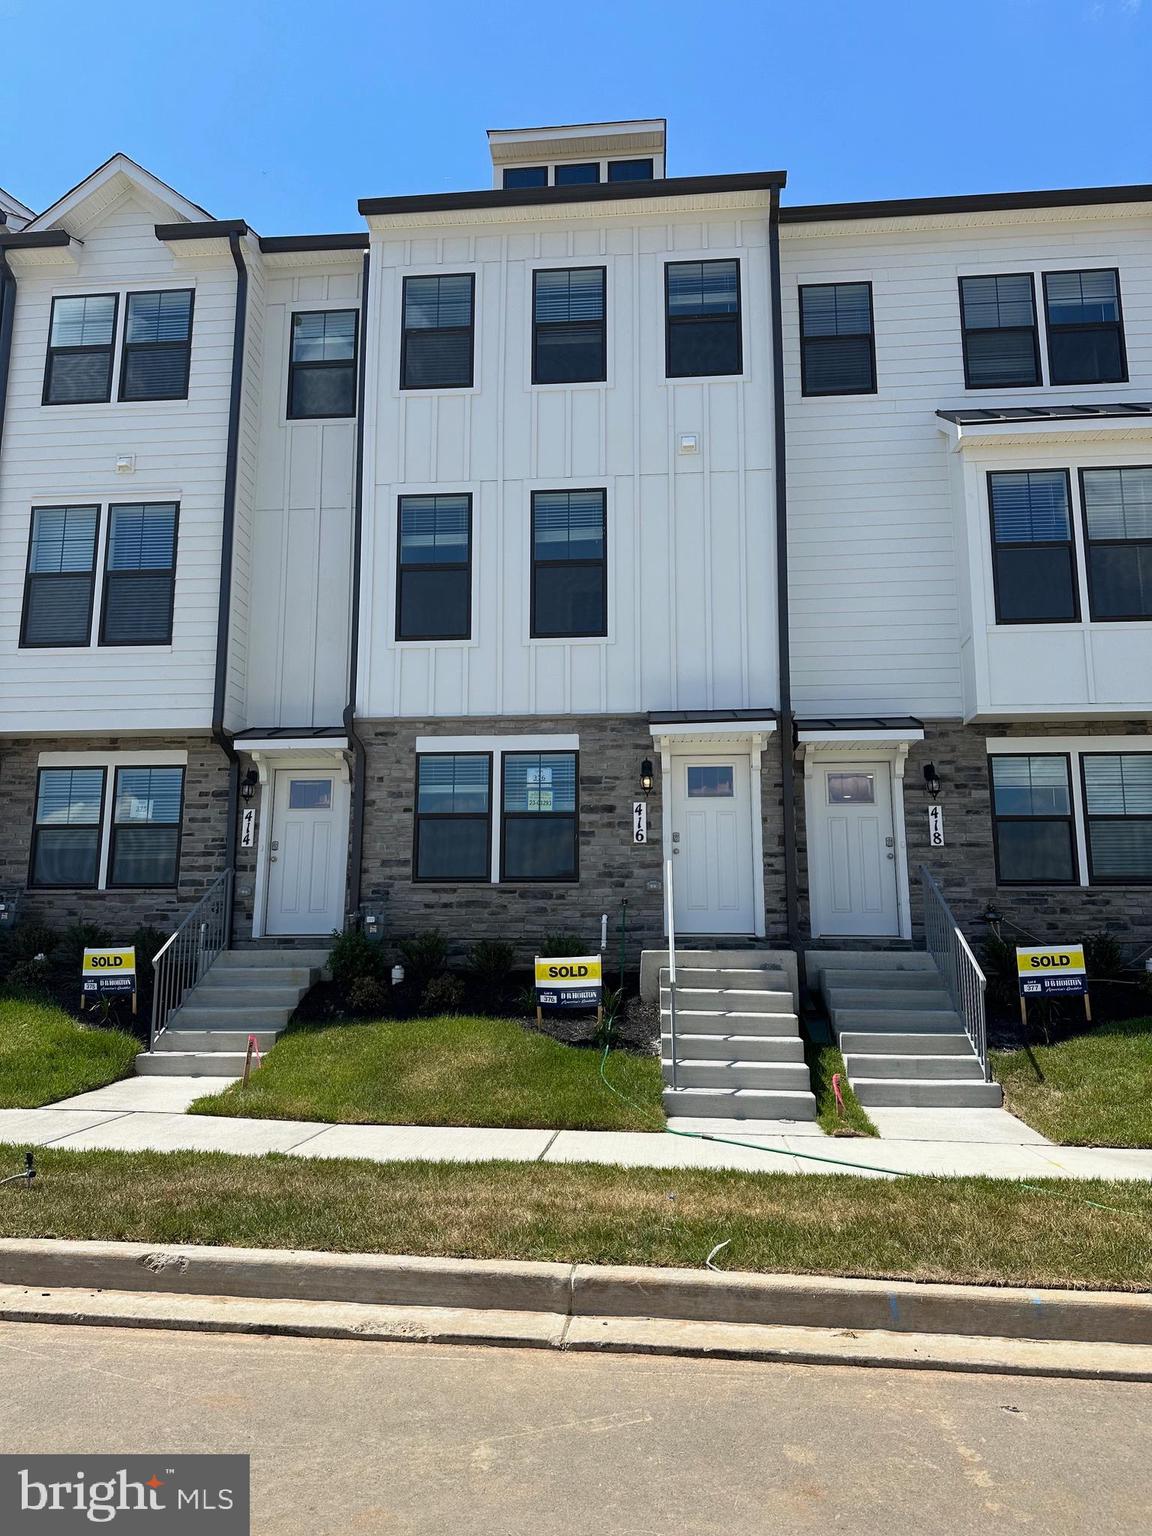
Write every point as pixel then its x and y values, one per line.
pixel 902 1041
pixel 246 992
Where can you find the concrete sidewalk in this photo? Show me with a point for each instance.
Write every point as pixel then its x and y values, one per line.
pixel 115 1117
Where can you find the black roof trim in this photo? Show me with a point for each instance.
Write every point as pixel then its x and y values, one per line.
pixel 278 732
pixel 34 240
pixel 598 192
pixel 209 229
pixel 847 723
pixel 1066 412
pixel 708 716
pixel 272 243
pixel 980 202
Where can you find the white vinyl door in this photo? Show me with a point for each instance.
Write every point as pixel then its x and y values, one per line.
pixel 712 845
pixel 852 851
pixel 307 855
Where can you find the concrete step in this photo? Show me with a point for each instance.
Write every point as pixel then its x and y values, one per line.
pixel 260 976
pixel 247 997
pixel 740 1103
pixel 728 999
pixel 921 1023
pixel 190 1064
pixel 921 1093
pixel 932 999
pixel 213 1040
pixel 849 976
pixel 261 959
pixel 867 1042
pixel 694 1021
pixel 734 1047
pixel 776 1075
pixel 953 1068
pixel 197 1014
pixel 761 978
pixel 886 960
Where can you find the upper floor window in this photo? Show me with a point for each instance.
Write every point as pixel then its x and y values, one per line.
pixel 538 833
pixel 80 343
pixel 146 815
pixel 66 829
pixel 322 365
pixel 1118 536
pixel 157 345
pixel 568 329
pixel 998 318
pixel 526 176
pixel 577 175
pixel 569 564
pixel 1118 816
pixel 61 578
pixel 139 574
pixel 703 318
pixel 434 579
pixel 1033 820
pixel 453 816
pixel 1085 333
pixel 1033 566
pixel 630 170
pixel 837 351
pixel 439 330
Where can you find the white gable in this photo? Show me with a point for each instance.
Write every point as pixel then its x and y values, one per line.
pixel 106 186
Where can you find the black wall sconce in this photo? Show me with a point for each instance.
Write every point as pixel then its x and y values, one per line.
pixel 931 779
pixel 646 778
pixel 248 785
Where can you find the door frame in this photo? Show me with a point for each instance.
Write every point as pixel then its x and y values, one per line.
pixel 268 764
pixel 894 756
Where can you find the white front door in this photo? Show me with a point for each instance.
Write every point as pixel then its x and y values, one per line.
pixel 852 851
pixel 712 845
pixel 307 855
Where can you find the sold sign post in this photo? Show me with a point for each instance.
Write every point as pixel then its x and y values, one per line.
pixel 569 982
pixel 1052 970
pixel 109 973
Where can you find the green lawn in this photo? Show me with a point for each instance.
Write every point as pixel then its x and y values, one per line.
pixel 46 1055
pixel 1097 1090
pixel 824 1061
pixel 977 1230
pixel 445 1071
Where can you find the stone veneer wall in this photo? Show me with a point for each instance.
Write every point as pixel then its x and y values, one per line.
pixel 201 846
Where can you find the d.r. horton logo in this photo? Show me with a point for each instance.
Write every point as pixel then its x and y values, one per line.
pixel 55 1495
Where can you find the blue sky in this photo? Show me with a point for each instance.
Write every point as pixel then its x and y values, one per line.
pixel 284 113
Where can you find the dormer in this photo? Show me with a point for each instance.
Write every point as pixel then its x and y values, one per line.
pixel 578 154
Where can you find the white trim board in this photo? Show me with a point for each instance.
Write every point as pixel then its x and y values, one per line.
pixel 497 744
pixel 136 759
pixel 1036 745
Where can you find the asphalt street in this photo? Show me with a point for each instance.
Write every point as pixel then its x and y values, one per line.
pixel 352 1437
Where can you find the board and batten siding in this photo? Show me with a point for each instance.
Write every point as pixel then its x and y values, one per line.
pixel 691 566
pixel 882 601
pixel 68 453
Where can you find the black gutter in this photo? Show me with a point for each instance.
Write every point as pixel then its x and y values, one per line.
pixel 598 192
pixel 980 202
pixel 360 756
pixel 7 324
pixel 34 240
pixel 206 229
pixel 270 245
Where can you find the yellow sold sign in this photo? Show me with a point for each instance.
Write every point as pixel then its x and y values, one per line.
pixel 580 971
pixel 1051 960
pixel 108 971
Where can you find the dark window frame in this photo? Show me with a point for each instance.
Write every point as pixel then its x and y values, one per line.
pixel 648 160
pixel 109 347
pixel 1038 382
pixel 533 178
pixel 144 885
pixel 127 346
pixel 1089 818
pixel 669 322
pixel 535 564
pixel 582 181
pixel 1089 541
pixel 870 389
pixel 419 816
pixel 424 330
pixel 573 815
pixel 324 364
pixel 602 376
pixel 996 544
pixel 1069 819
pixel 429 565
pixel 1068 330
pixel 30 576
pixel 151 571
pixel 94 885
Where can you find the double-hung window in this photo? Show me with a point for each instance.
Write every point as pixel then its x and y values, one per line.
pixel 1118 535
pixel 998 319
pixel 1033 565
pixel 1033 820
pixel 146 814
pixel 66 832
pixel 539 820
pixel 434 577
pixel 569 564
pixel 322 364
pixel 702 306
pixel 453 816
pixel 837 352
pixel 439 331
pixel 568 329
pixel 139 574
pixel 80 342
pixel 61 579
pixel 1118 816
pixel 1085 332
pixel 157 345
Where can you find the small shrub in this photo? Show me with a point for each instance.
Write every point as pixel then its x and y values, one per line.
pixel 490 965
pixel 998 960
pixel 425 956
pixel 558 946
pixel 68 954
pixel 355 957
pixel 368 994
pixel 1103 955
pixel 443 994
pixel 30 975
pixel 24 941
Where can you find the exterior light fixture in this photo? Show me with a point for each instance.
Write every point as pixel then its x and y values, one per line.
pixel 931 779
pixel 646 779
pixel 248 787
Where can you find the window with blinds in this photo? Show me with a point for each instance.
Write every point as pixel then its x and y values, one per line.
pixel 66 831
pixel 569 335
pixel 1118 816
pixel 81 336
pixel 322 364
pixel 998 320
pixel 157 349
pixel 702 329
pixel 837 349
pixel 538 833
pixel 438 332
pixel 434 568
pixel 61 576
pixel 453 816
pixel 146 814
pixel 1118 536
pixel 1032 820
pixel 1085 331
pixel 569 564
pixel 1033 562
pixel 139 574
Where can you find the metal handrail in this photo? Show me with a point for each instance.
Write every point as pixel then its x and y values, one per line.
pixel 670 913
pixel 185 955
pixel 963 979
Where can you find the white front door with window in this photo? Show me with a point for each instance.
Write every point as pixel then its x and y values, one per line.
pixel 307 854
pixel 712 845
pixel 852 851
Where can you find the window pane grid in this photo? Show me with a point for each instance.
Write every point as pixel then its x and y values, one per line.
pixel 140 574
pixel 157 345
pixel 146 814
pixel 1032 820
pixel 998 320
pixel 539 824
pixel 81 337
pixel 1118 813
pixel 702 319
pixel 836 354
pixel 569 564
pixel 61 577
pixel 1118 530
pixel 434 568
pixel 1085 335
pixel 66 829
pixel 453 817
pixel 437 344
pixel 322 364
pixel 1034 573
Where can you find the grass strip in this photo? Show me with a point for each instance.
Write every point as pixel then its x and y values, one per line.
pixel 45 1054
pixel 1097 1087
pixel 824 1061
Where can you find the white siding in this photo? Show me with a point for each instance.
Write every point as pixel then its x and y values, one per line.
pixel 247 469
